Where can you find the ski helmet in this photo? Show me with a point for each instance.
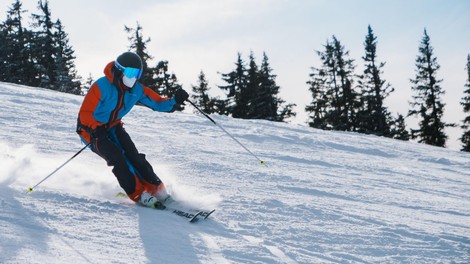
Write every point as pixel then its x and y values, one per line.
pixel 130 65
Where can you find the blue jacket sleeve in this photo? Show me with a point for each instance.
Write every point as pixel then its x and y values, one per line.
pixel 156 102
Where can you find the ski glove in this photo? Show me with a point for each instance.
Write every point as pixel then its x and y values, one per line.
pixel 180 96
pixel 99 132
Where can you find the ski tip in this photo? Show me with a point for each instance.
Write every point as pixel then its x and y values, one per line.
pixel 209 214
pixel 194 219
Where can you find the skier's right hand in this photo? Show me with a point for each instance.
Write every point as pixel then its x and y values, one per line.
pixel 180 96
pixel 99 132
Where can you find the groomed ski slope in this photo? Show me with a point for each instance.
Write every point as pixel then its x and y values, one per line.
pixel 325 197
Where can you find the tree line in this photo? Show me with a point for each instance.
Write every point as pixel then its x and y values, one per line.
pixel 346 101
pixel 41 56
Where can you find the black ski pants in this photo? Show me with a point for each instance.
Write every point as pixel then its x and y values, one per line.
pixel 129 166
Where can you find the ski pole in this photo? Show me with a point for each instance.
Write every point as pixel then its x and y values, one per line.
pixel 223 129
pixel 30 189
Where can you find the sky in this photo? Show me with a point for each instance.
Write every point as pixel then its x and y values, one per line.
pixel 206 35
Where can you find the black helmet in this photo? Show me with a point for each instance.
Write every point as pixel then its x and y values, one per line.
pixel 129 59
pixel 130 65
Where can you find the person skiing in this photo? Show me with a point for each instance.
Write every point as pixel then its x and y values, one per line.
pixel 99 124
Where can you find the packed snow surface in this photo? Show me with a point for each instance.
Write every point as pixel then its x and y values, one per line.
pixel 323 196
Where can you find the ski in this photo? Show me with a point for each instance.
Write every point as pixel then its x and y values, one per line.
pixel 207 214
pixel 192 217
pixel 192 214
pixel 175 207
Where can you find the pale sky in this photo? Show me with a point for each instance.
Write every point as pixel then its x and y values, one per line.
pixel 207 35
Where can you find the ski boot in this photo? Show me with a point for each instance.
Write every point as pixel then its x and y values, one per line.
pixel 150 201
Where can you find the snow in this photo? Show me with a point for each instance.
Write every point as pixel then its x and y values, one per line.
pixel 324 197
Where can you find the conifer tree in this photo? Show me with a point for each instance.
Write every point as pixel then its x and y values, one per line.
pixel 320 104
pixel 253 92
pixel 247 107
pixel 466 108
pixel 139 46
pixel 201 96
pixel 268 104
pixel 162 77
pixel 373 116
pixel 336 94
pixel 398 129
pixel 44 48
pixel 236 86
pixel 156 78
pixel 87 84
pixel 37 58
pixel 166 83
pixel 10 46
pixel 427 102
pixel 66 76
pixel 266 100
pixel 4 43
pixel 15 62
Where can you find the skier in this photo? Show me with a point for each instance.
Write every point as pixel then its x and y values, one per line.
pixel 99 122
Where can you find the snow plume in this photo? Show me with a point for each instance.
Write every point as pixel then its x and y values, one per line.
pixel 15 162
pixel 24 167
pixel 188 195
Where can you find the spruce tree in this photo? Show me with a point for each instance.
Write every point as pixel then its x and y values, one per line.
pixel 253 92
pixel 166 83
pixel 15 63
pixel 320 104
pixel 44 47
pixel 268 104
pixel 427 102
pixel 201 96
pixel 4 43
pixel 247 104
pixel 87 84
pixel 398 129
pixel 336 94
pixel 10 45
pixel 139 46
pixel 162 77
pixel 66 76
pixel 466 108
pixel 373 116
pixel 236 80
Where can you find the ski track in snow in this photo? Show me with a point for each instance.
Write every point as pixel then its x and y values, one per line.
pixel 324 197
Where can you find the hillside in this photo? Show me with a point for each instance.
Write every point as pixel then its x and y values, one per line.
pixel 324 197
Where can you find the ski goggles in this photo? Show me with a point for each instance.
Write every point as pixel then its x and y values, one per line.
pixel 129 72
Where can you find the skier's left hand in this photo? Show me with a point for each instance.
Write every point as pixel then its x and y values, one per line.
pixel 180 96
pixel 99 132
